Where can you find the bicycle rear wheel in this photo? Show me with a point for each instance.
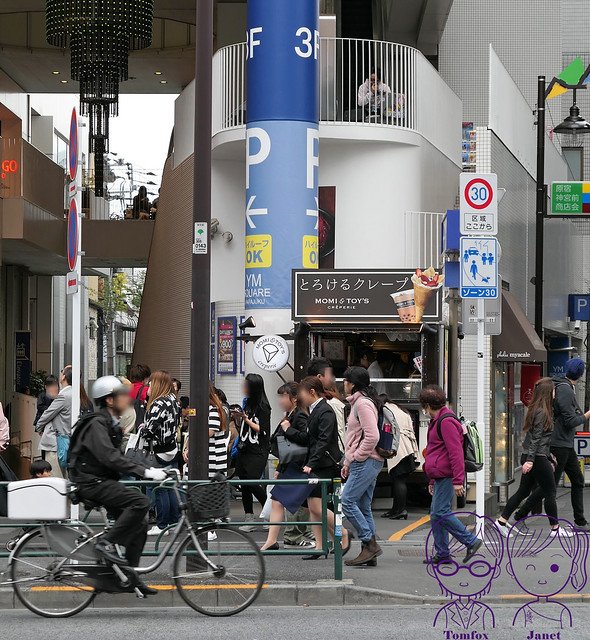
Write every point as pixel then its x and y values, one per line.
pixel 40 586
pixel 234 581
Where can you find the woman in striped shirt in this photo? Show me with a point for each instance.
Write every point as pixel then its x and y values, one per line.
pixel 218 435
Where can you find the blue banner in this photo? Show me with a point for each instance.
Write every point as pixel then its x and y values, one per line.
pixel 282 56
pixel 282 147
pixel 281 209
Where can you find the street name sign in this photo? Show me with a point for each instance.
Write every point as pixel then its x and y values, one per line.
pixel 570 199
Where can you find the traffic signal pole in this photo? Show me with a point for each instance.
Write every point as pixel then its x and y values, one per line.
pixel 201 258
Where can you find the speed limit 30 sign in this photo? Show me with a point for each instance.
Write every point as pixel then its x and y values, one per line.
pixel 478 204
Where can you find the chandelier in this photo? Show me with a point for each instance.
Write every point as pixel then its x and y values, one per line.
pixel 100 34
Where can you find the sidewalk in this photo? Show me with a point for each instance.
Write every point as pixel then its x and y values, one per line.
pixel 399 577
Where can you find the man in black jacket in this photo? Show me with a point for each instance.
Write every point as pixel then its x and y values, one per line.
pixel 568 419
pixel 96 464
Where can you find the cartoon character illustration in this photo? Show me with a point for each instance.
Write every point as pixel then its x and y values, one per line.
pixel 543 563
pixel 467 582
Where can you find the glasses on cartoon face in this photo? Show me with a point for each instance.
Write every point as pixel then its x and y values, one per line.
pixel 478 568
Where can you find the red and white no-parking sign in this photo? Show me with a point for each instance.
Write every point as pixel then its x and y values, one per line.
pixel 478 204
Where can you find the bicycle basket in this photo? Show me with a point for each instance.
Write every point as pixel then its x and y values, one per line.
pixel 209 501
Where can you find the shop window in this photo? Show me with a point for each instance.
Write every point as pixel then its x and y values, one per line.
pixel 501 441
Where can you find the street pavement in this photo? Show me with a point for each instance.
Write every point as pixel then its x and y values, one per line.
pixel 284 623
pixel 400 568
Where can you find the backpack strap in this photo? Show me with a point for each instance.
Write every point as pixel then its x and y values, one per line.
pixel 439 422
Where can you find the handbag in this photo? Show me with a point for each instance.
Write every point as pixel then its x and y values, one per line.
pixel 63 448
pixel 292 496
pixel 140 456
pixel 290 452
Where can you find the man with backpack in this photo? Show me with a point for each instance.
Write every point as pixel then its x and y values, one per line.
pixel 444 465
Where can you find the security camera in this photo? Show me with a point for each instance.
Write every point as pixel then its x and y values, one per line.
pixel 577 326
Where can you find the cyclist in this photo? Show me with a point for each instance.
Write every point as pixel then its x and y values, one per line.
pixel 96 463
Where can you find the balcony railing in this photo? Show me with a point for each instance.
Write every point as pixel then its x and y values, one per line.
pixel 362 82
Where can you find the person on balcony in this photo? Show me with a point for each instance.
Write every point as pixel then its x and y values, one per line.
pixel 373 96
pixel 141 205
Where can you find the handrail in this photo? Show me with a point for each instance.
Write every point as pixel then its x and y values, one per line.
pixel 326 498
pixel 416 98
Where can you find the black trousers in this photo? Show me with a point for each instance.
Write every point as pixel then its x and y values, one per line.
pixel 129 507
pixel 400 491
pixel 542 475
pixel 567 461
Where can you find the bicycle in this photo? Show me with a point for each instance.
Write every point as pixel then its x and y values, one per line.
pixel 55 572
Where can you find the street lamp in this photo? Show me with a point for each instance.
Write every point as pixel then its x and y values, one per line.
pixel 572 125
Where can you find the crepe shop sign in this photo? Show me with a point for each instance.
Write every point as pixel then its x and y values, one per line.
pixel 387 297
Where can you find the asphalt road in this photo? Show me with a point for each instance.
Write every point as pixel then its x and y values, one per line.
pixel 286 623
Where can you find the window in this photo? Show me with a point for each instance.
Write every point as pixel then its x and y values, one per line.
pixel 574 158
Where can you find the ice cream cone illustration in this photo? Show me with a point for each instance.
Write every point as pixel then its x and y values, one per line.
pixel 425 284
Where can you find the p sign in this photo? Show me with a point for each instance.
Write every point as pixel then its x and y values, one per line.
pixel 579 307
pixel 478 204
pixel 582 446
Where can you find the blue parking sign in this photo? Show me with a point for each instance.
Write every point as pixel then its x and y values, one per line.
pixel 479 268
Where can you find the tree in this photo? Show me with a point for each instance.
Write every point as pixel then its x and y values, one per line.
pixel 119 294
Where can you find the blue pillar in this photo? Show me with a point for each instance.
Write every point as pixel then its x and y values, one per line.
pixel 282 147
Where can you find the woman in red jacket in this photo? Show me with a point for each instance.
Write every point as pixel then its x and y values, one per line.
pixel 444 465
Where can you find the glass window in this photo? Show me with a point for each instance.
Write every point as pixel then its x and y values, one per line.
pixel 574 158
pixel 61 151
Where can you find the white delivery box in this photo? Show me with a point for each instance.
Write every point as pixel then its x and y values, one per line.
pixel 40 499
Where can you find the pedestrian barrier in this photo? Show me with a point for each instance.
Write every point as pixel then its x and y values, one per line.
pixel 326 497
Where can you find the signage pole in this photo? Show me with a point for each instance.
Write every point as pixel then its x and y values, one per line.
pixel 75 258
pixel 481 427
pixel 201 258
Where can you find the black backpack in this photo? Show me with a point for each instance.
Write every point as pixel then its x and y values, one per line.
pixel 140 407
pixel 472 444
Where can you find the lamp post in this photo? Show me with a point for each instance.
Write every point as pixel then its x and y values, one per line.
pixel 572 125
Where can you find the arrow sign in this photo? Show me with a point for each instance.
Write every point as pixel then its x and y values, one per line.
pixel 253 212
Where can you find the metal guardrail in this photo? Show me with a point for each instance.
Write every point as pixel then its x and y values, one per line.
pixel 326 498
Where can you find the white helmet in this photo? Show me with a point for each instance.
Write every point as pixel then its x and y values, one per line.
pixel 107 386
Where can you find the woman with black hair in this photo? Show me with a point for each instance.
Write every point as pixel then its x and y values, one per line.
pixel 362 463
pixel 253 444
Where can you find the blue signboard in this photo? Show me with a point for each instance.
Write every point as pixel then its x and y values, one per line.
pixel 282 148
pixel 282 53
pixel 579 307
pixel 479 268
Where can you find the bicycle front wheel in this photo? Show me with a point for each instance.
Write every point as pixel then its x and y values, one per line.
pixel 45 581
pixel 230 578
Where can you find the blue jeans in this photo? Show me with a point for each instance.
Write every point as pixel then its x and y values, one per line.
pixel 166 503
pixel 357 496
pixel 442 501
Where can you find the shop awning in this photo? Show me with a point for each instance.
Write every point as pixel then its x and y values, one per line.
pixel 518 341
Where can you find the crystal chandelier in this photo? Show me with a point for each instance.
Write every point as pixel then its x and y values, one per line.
pixel 100 34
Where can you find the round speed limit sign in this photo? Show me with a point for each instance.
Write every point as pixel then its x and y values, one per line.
pixel 479 193
pixel 478 204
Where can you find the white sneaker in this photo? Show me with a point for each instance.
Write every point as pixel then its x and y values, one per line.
pixel 248 528
pixel 502 528
pixel 211 535
pixel 156 531
pixel 562 533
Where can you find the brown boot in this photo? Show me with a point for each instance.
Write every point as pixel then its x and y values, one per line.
pixel 363 557
pixel 374 548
